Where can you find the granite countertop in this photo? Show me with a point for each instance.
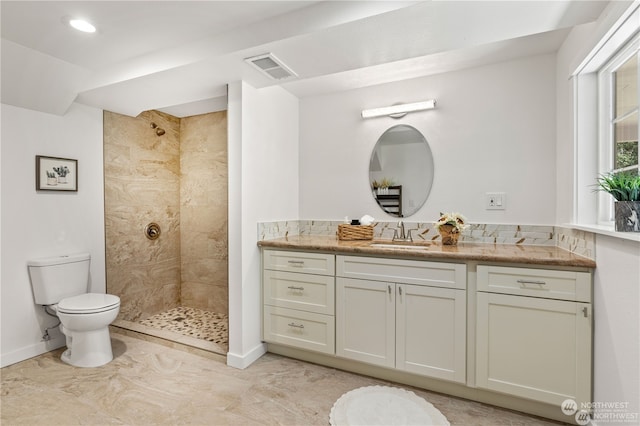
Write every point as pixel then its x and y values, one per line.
pixel 512 253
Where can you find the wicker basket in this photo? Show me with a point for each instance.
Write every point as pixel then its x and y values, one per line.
pixel 355 232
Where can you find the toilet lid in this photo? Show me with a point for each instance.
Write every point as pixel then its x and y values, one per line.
pixel 88 303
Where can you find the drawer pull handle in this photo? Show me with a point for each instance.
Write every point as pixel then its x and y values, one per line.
pixel 389 288
pixel 294 325
pixel 585 312
pixel 531 282
pixel 296 262
pixel 293 287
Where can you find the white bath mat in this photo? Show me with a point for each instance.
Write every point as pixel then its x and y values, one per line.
pixel 384 405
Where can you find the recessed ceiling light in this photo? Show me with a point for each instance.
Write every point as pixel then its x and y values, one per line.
pixel 82 25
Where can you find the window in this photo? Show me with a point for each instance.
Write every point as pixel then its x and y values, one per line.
pixel 618 88
pixel 623 118
pixel 605 117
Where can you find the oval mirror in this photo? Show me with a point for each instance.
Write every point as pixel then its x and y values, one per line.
pixel 401 171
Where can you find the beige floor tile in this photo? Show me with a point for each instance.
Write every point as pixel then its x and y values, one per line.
pixel 151 384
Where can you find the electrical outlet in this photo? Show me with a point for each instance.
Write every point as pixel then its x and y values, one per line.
pixel 495 200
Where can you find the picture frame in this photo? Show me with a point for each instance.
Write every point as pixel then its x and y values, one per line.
pixel 56 174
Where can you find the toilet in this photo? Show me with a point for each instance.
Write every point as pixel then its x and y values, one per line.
pixel 61 284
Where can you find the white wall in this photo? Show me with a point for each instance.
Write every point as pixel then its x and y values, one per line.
pixel 263 186
pixel 617 276
pixel 37 224
pixel 493 129
pixel 617 323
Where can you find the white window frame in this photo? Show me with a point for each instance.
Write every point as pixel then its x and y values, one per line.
pixel 587 150
pixel 606 107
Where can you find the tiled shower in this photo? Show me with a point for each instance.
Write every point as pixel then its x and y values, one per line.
pixel 172 172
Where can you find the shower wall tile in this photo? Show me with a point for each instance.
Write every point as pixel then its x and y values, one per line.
pixel 123 190
pixel 203 212
pixel 142 172
pixel 203 270
pixel 117 159
pixel 218 300
pixel 178 180
pixel 146 288
pixel 203 296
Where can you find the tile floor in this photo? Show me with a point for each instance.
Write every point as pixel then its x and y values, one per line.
pixel 193 322
pixel 151 384
pixel 193 327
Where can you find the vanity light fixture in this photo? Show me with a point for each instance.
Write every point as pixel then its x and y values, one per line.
pixel 397 111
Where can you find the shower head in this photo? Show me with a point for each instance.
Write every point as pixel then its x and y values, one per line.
pixel 159 131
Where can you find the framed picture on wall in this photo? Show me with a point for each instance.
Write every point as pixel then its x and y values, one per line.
pixel 56 174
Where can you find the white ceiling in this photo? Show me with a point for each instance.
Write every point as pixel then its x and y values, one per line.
pixel 178 56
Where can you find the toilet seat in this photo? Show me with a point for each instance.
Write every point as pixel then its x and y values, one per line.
pixel 88 303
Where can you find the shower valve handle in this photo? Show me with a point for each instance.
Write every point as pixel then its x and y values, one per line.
pixel 152 231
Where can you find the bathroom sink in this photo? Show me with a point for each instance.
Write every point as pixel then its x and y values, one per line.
pixel 407 246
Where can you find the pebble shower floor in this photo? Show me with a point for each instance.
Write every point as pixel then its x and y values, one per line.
pixel 196 323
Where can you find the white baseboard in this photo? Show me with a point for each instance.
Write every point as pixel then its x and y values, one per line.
pixel 31 351
pixel 243 361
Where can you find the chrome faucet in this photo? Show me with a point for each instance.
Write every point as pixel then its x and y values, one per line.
pixel 402 236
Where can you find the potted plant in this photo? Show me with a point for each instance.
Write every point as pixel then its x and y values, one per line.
pixel 625 189
pixel 450 226
pixel 382 187
pixel 51 178
pixel 62 172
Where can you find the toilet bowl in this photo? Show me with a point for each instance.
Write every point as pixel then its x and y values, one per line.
pixel 61 283
pixel 85 322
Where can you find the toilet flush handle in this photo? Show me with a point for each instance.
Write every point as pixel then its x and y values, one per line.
pixel 152 231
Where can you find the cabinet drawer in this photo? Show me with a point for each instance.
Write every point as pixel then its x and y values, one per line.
pixel 545 283
pixel 305 330
pixel 434 274
pixel 292 261
pixel 311 293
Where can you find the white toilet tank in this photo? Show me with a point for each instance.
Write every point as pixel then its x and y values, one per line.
pixel 54 278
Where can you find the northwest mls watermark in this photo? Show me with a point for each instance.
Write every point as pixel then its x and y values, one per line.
pixel 599 412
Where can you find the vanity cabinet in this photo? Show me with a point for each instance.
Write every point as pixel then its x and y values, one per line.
pixel 512 332
pixel 299 300
pixel 533 333
pixel 403 314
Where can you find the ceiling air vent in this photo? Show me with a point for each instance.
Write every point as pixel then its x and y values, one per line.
pixel 271 66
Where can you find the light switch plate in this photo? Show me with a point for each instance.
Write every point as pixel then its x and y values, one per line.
pixel 495 200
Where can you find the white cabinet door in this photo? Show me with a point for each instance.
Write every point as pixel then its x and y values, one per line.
pixel 431 331
pixel 534 348
pixel 365 321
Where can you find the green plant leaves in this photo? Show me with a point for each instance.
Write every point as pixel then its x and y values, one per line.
pixel 622 186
